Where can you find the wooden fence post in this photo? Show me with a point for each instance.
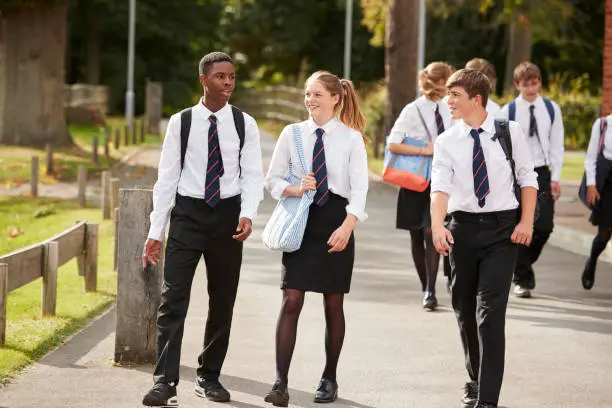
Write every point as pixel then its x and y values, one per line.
pixel 34 177
pixel 82 185
pixel 3 298
pixel 105 187
pixel 91 257
pixel 49 287
pixel 114 195
pixel 126 135
pixel 138 288
pixel 49 158
pixel 133 132
pixel 117 138
pixel 143 130
pixel 116 240
pixel 106 143
pixel 94 149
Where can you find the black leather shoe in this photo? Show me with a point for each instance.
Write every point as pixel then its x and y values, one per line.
pixel 212 390
pixel 470 394
pixel 161 395
pixel 278 395
pixel 430 302
pixel 484 405
pixel 588 275
pixel 327 391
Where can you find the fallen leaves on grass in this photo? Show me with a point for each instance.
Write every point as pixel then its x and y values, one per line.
pixel 14 232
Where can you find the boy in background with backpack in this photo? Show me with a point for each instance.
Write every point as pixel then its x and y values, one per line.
pixel 542 123
pixel 210 183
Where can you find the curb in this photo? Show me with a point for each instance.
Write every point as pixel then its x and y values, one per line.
pixel 569 239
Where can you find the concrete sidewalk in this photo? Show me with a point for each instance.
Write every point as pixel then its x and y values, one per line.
pixel 395 355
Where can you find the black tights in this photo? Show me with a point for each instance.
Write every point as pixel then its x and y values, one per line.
pixel 425 257
pixel 599 243
pixel 286 330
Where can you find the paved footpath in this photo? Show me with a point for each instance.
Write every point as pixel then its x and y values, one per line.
pixel 396 355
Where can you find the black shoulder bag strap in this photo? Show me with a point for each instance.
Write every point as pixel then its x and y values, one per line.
pixel 502 133
pixel 240 128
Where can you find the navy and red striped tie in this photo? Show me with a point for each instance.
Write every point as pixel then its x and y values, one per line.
pixel 214 168
pixel 439 121
pixel 533 127
pixel 320 170
pixel 479 169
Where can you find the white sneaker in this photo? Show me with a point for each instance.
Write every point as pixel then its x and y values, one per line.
pixel 521 292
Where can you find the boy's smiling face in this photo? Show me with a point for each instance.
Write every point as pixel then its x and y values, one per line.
pixel 460 104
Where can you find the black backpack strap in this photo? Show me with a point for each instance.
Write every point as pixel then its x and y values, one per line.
pixel 502 133
pixel 240 128
pixel 185 129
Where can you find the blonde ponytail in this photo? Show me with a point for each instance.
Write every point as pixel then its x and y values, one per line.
pixel 350 114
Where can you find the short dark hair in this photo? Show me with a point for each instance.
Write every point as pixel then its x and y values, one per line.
pixel 474 82
pixel 209 59
pixel 484 66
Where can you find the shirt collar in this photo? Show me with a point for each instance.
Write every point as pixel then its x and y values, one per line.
pixel 488 126
pixel 520 99
pixel 327 128
pixel 428 103
pixel 201 109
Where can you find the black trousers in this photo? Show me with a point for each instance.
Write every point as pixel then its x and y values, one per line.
pixel 196 230
pixel 483 259
pixel 542 228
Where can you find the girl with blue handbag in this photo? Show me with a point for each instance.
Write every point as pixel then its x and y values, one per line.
pixel 414 133
pixel 327 154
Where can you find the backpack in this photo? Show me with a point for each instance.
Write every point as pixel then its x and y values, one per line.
pixel 502 133
pixel 186 127
pixel 547 102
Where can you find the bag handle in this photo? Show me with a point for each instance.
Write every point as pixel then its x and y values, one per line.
pixel 297 137
pixel 424 123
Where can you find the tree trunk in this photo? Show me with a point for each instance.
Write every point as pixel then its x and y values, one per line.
pixel 606 94
pixel 401 51
pixel 520 43
pixel 93 46
pixel 32 47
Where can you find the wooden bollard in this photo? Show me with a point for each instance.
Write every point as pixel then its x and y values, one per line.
pixel 106 195
pixel 94 149
pixel 117 138
pixel 143 131
pixel 136 331
pixel 126 135
pixel 3 301
pixel 34 177
pixel 51 264
pixel 133 133
pixel 49 158
pixel 106 143
pixel 91 258
pixel 114 195
pixel 116 240
pixel 82 185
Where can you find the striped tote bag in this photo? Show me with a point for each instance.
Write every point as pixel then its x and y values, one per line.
pixel 285 228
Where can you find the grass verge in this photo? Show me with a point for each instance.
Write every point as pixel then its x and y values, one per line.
pixel 28 336
pixel 15 161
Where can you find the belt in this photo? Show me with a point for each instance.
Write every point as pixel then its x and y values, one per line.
pixel 485 217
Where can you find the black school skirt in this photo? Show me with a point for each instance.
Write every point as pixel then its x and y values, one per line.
pixel 602 212
pixel 311 268
pixel 413 209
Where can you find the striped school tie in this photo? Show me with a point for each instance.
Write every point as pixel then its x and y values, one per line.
pixel 533 127
pixel 439 121
pixel 320 170
pixel 214 168
pixel 479 169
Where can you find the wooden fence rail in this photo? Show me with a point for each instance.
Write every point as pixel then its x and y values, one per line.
pixel 280 102
pixel 42 260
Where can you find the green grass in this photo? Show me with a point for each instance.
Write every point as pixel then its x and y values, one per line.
pixel 28 336
pixel 15 161
pixel 573 168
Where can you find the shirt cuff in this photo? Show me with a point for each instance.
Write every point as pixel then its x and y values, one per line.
pixel 441 188
pixel 361 215
pixel 279 187
pixel 555 175
pixel 590 179
pixel 157 233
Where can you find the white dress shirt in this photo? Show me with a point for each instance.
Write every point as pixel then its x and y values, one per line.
pixel 590 161
pixel 345 158
pixel 408 123
pixel 550 151
pixel 452 168
pixel 245 179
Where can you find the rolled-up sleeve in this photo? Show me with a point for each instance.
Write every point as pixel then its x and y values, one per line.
pixel 525 174
pixel 168 176
pixel 403 125
pixel 278 171
pixel 590 161
pixel 358 178
pixel 441 169
pixel 251 171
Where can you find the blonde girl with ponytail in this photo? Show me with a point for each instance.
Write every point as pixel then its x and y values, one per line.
pixel 337 170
